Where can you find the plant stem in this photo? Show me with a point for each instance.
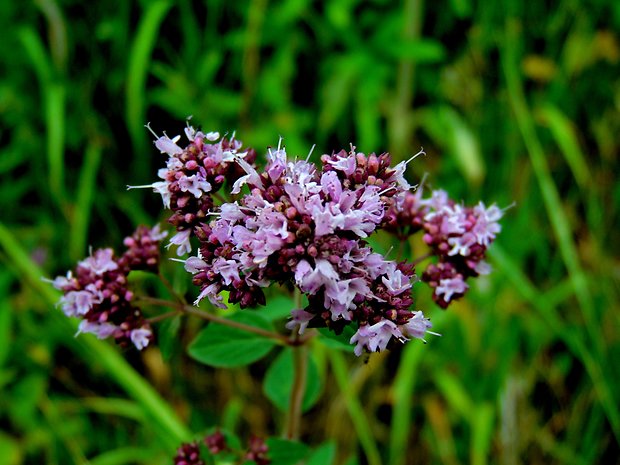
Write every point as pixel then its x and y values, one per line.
pixel 170 288
pixel 421 258
pixel 300 365
pixel 189 310
pixel 163 316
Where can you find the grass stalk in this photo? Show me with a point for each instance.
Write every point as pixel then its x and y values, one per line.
pixel 137 71
pixel 355 409
pixel 298 389
pixel 85 194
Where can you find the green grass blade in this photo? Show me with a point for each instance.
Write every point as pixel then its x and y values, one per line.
pixel 455 393
pixel 593 359
pixel 482 424
pixel 551 197
pixel 53 95
pixel 601 383
pixel 85 192
pixel 35 51
pixel 55 102
pixel 402 393
pixel 123 456
pixel 138 68
pixel 449 130
pixel 563 132
pixel 6 317
pixel 355 409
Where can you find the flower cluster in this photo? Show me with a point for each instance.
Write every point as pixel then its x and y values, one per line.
pixel 190 454
pixel 98 293
pixel 193 174
pixel 306 227
pixel 458 236
pixel 297 224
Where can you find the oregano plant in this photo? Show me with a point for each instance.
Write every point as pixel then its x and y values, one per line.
pixel 239 226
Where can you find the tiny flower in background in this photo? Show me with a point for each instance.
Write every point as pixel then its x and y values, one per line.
pixel 188 454
pixel 216 442
pixel 257 451
pixel 98 293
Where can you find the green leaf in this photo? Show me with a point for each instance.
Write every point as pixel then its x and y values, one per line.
pixel 279 380
pixel 222 346
pixel 278 307
pixel 323 455
pixel 284 452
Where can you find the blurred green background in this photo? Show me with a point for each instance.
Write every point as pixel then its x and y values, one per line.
pixel 512 101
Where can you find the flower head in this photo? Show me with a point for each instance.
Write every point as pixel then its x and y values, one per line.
pixel 193 174
pixel 306 227
pixel 457 235
pixel 98 294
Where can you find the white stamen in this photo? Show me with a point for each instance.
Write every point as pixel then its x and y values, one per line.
pixel 310 153
pixel 512 205
pixel 145 186
pixel 148 126
pixel 386 190
pixel 421 152
pixel 372 296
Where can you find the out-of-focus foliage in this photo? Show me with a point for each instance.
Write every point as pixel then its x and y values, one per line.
pixel 513 102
